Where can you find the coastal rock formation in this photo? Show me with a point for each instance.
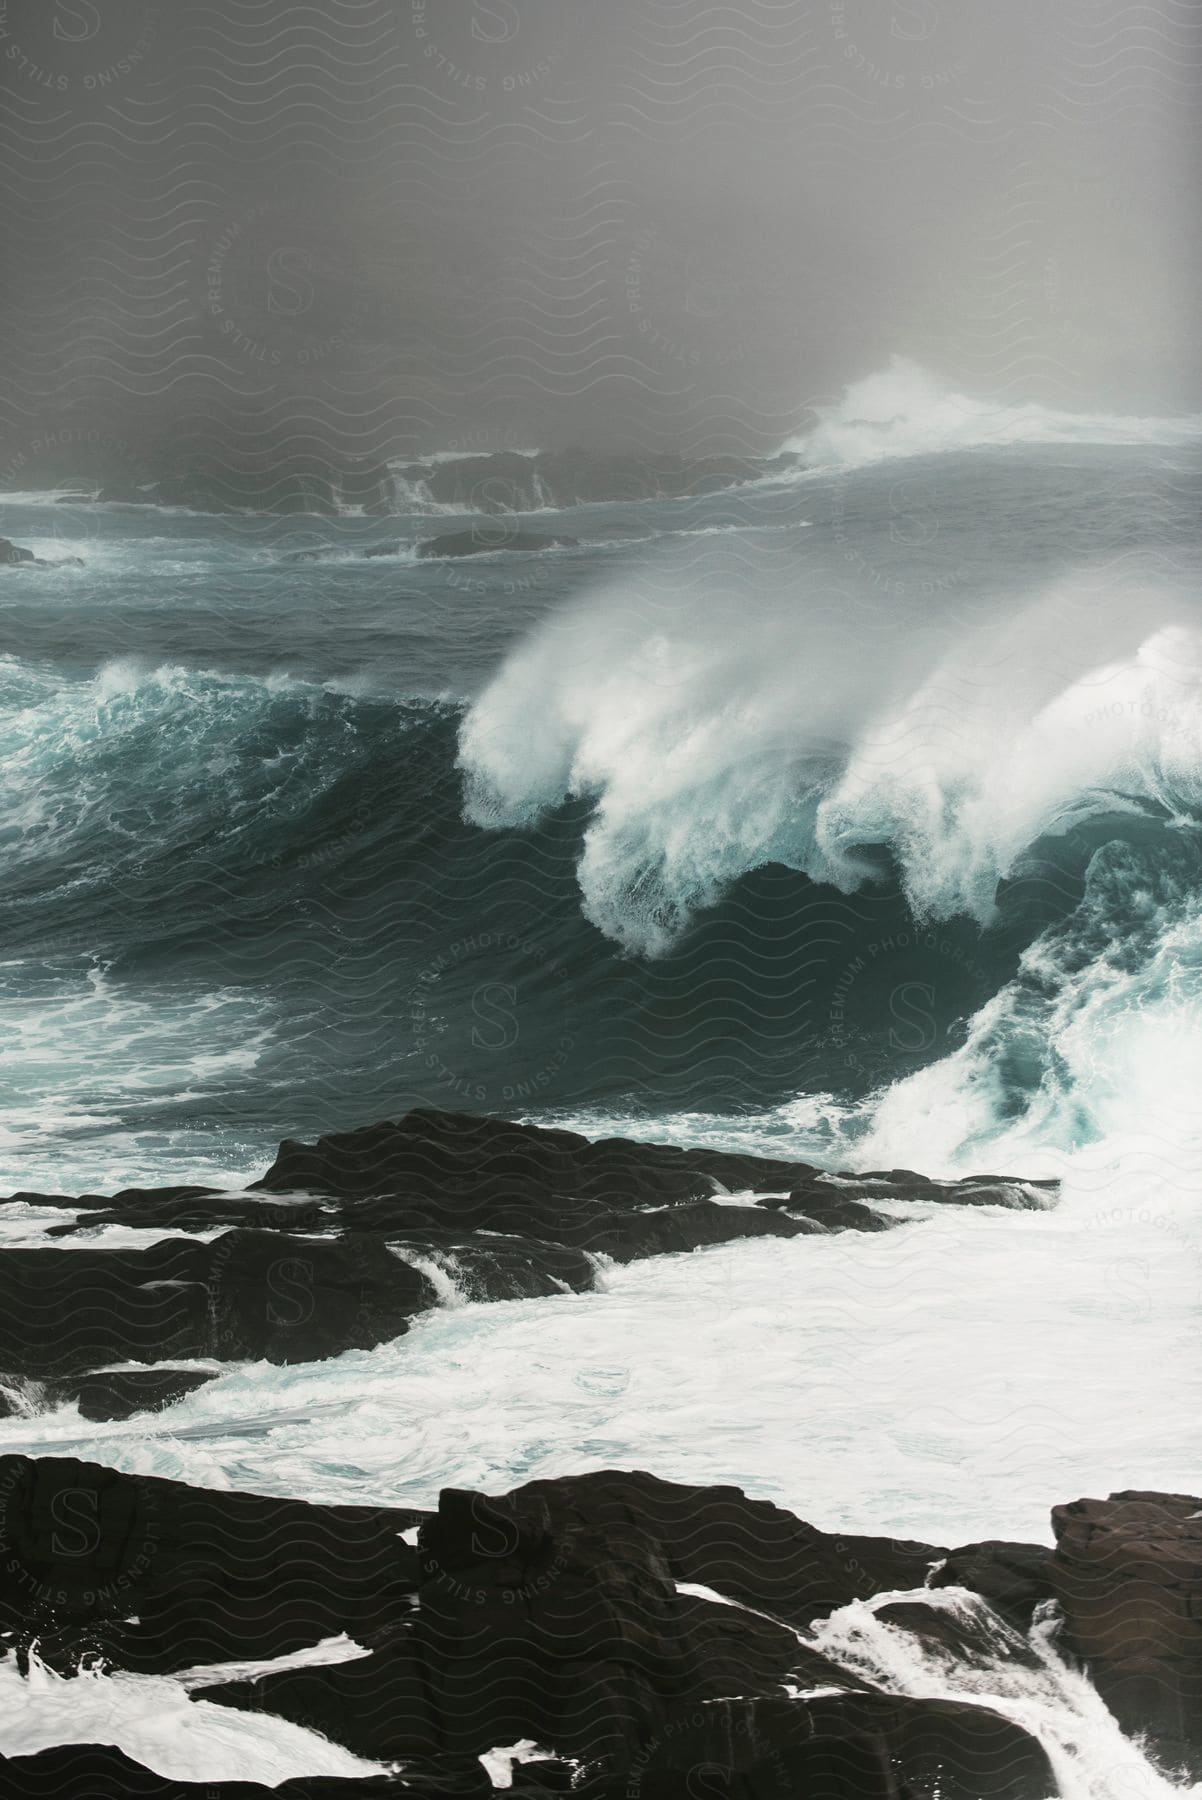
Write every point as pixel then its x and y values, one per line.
pixel 247 1294
pixel 1128 1576
pixel 637 1631
pixel 298 479
pixel 16 556
pixel 157 1576
pixel 463 1157
pixel 343 1242
pixel 504 481
pixel 120 1393
pixel 1013 1578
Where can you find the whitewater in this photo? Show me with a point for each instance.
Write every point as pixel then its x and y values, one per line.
pixel 851 814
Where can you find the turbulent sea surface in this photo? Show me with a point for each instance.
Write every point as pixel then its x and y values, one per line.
pixel 851 814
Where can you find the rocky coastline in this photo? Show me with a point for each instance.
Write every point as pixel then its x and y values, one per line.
pixel 610 1634
pixel 18 556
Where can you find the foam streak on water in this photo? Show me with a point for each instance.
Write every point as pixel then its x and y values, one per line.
pixel 948 1380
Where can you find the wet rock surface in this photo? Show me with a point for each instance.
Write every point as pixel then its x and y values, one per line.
pixel 16 556
pixel 1127 1574
pixel 342 1243
pixel 638 1631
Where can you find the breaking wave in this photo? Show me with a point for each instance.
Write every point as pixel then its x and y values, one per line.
pixel 904 410
pixel 1015 776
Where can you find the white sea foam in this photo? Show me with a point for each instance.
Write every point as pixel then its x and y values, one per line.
pixel 904 410
pixel 152 1719
pixel 717 730
pixel 947 1380
pixel 1091 1758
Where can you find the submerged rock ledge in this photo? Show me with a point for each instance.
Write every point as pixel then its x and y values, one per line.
pixel 343 1242
pixel 638 1633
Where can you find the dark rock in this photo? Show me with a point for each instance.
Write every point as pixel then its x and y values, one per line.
pixel 158 1576
pixel 119 1393
pixel 126 1201
pixel 1127 1572
pixel 65 1312
pixel 692 1226
pixel 246 1294
pixel 26 1197
pixel 13 556
pixel 563 1613
pixel 379 1705
pixel 1013 1578
pixel 458 1157
pixel 748 1550
pixel 502 1210
pixel 930 1748
pixel 504 1268
pixel 483 540
pixel 557 1236
pixel 506 481
pixel 969 1190
pixel 538 1619
pixel 831 1209
pixel 299 1300
pixel 93 1771
pixel 974 1635
pixel 10 1407
pixel 202 1209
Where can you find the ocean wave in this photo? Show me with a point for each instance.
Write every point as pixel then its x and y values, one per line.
pixel 737 850
pixel 904 411
pixel 141 766
pixel 1032 788
pixel 715 731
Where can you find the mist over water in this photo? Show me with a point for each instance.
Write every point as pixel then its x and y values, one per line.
pixel 529 222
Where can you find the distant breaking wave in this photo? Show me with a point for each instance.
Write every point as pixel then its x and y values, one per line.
pixel 901 411
pixel 904 410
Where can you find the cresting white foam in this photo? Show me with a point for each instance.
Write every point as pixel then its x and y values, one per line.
pixel 904 410
pixel 719 726
pixel 717 730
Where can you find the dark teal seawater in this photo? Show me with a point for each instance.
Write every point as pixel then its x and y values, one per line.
pixel 239 898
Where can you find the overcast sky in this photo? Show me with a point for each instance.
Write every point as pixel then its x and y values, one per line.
pixel 424 224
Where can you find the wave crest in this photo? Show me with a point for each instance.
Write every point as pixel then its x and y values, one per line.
pixel 904 410
pixel 717 727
